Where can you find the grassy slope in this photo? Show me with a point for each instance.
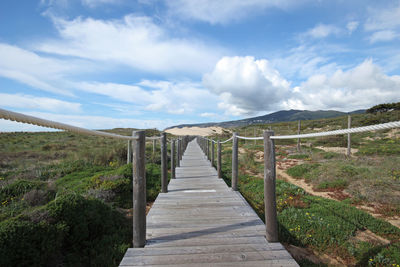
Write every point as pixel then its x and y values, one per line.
pixel 324 225
pixel 66 197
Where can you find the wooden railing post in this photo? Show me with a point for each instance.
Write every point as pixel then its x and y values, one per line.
pixel 212 153
pixel 235 162
pixel 173 159
pixel 208 149
pixel 139 189
pixel 219 159
pixel 153 155
pixel 178 161
pixel 348 137
pixel 164 164
pixel 129 152
pixel 298 139
pixel 271 222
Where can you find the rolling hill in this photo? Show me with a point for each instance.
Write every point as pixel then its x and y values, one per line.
pixel 279 116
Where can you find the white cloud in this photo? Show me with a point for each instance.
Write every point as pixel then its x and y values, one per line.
pixel 37 71
pixel 96 3
pixel 322 31
pixel 41 103
pixel 383 36
pixel 224 11
pixel 383 19
pixel 164 96
pixel 352 26
pixel 384 23
pixel 303 61
pixel 246 85
pixel 360 87
pixel 179 97
pixel 134 41
pixel 208 115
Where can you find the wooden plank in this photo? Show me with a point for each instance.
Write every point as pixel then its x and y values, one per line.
pixel 263 263
pixel 202 249
pixel 206 258
pixel 202 222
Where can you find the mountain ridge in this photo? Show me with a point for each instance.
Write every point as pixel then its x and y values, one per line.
pixel 278 116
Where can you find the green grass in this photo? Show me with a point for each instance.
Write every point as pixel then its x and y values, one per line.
pixel 324 225
pixel 301 170
pixel 299 156
pixel 64 198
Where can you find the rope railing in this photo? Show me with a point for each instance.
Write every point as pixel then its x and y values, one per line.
pixel 226 141
pixel 383 126
pixel 270 163
pixel 249 138
pixel 135 155
pixel 19 117
pixel 375 127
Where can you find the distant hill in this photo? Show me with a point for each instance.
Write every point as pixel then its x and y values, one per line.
pixel 279 116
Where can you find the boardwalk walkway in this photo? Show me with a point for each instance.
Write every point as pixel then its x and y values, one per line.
pixel 202 222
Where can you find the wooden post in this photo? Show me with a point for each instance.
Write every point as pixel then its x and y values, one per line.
pixel 219 159
pixel 348 137
pixel 298 139
pixel 212 153
pixel 255 141
pixel 164 164
pixel 173 159
pixel 178 153
pixel 235 162
pixel 208 150
pixel 129 152
pixel 139 189
pixel 245 135
pixel 271 222
pixel 154 150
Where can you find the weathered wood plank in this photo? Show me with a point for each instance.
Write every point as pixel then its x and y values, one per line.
pixel 202 222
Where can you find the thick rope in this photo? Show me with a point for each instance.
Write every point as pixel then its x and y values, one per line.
pixel 382 126
pixel 250 138
pixel 14 116
pixel 223 142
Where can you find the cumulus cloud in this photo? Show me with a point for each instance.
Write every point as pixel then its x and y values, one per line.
pixel 23 101
pixel 135 41
pixel 322 31
pixel 246 85
pixel 360 87
pixel 224 11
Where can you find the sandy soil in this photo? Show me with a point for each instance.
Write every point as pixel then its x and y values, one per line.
pixel 341 150
pixel 205 131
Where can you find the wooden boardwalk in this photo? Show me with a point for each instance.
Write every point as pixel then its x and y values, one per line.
pixel 202 222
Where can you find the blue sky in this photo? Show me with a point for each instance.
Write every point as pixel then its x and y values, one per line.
pixel 152 64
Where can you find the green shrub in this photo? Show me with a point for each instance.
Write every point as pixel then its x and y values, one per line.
pixel 18 188
pixel 299 156
pixel 302 169
pixel 335 184
pixel 97 234
pixel 153 181
pixel 25 243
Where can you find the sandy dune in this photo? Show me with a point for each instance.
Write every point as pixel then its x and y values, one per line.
pixel 206 131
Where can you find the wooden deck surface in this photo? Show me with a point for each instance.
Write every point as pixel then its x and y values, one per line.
pixel 202 222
